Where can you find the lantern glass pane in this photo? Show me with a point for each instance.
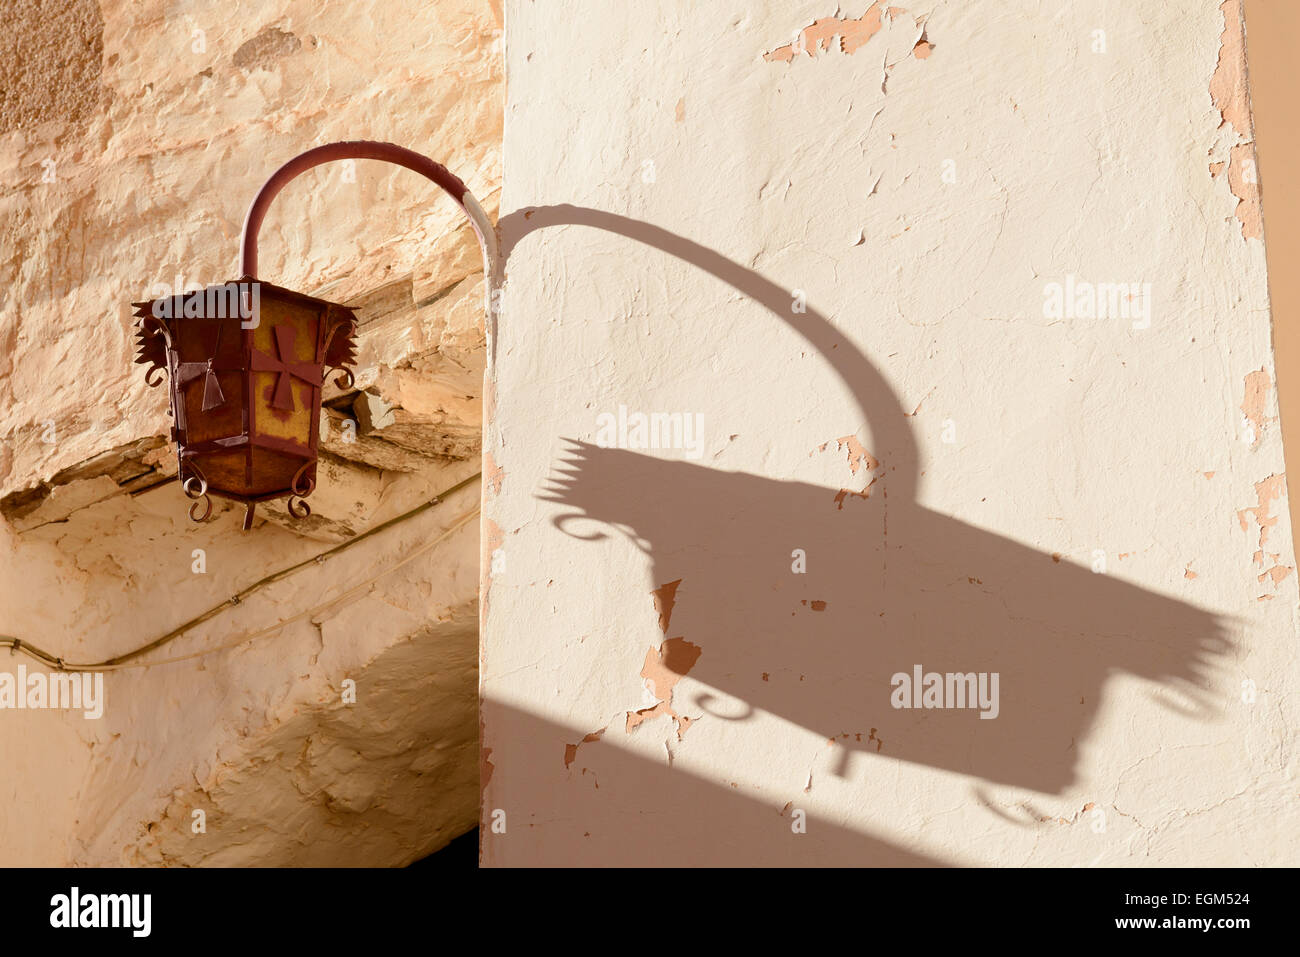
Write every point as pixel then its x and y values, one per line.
pixel 194 339
pixel 287 336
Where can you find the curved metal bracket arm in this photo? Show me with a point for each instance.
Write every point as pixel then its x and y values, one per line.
pixel 389 153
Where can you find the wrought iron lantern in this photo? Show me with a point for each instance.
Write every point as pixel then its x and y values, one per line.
pixel 247 360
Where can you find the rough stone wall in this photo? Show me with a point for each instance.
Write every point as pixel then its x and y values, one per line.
pixel 132 137
pixel 879 252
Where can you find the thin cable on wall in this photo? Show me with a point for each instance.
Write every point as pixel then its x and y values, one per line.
pixel 124 661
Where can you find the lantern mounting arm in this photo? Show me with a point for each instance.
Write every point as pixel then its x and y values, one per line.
pixel 388 153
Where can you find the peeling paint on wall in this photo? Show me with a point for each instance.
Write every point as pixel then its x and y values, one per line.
pixel 844 494
pixel 1228 87
pixel 859 460
pixel 1254 406
pixel 857 455
pixel 1229 92
pixel 665 597
pixel 493 474
pixel 664 667
pixel 848 35
pixel 571 750
pixel 845 34
pixel 1243 179
pixel 493 538
pixel 1267 491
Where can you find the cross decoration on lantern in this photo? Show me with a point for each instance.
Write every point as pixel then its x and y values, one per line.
pixel 243 434
pixel 283 362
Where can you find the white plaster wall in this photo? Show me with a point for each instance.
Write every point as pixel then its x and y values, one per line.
pixel 1045 448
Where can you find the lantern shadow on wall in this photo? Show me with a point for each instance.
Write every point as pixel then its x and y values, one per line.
pixel 247 360
pixel 891 585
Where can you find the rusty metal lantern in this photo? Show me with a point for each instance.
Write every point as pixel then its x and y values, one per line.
pixel 247 360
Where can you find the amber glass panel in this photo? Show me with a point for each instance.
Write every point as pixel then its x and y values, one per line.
pixel 293 425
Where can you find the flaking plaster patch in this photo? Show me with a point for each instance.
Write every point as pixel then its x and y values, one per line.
pixel 1229 92
pixel 845 34
pixel 844 494
pixel 664 667
pixel 665 597
pixel 1228 84
pixel 848 35
pixel 1266 492
pixel 571 750
pixel 857 454
pixel 265 48
pixel 1254 405
pixel 859 460
pixel 493 474
pixel 493 538
pixel 1243 180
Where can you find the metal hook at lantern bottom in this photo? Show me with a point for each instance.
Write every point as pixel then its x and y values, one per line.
pixel 197 493
pixel 300 508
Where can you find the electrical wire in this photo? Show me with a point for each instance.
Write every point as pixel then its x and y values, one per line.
pixel 125 661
